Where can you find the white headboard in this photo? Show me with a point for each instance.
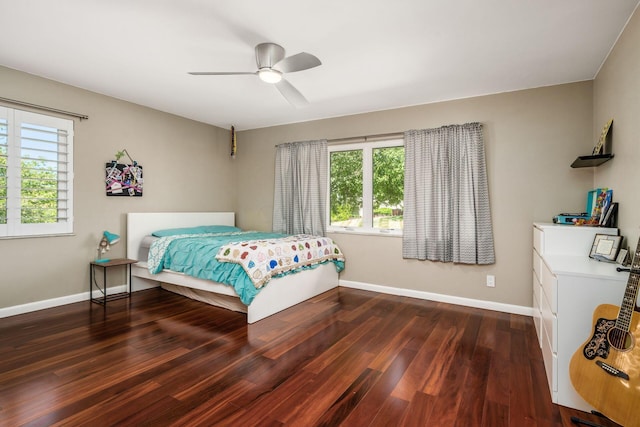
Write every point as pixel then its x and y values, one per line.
pixel 140 225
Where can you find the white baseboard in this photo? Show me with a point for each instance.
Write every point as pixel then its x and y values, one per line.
pixel 469 302
pixel 489 305
pixel 54 302
pixel 41 305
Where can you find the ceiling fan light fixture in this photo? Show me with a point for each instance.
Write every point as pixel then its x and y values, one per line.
pixel 269 75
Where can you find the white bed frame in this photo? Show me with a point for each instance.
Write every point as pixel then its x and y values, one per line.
pixel 279 294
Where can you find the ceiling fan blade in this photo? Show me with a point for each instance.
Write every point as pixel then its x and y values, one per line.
pixel 223 73
pixel 298 62
pixel 291 94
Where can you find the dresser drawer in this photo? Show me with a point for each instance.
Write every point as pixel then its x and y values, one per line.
pixel 537 293
pixel 537 266
pixel 550 287
pixel 537 315
pixel 550 324
pixel 551 368
pixel 538 240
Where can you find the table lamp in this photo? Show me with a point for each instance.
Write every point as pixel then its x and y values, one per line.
pixel 107 240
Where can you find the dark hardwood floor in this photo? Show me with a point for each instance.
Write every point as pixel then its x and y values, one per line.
pixel 345 358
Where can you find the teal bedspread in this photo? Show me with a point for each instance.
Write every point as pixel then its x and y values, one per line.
pixel 195 255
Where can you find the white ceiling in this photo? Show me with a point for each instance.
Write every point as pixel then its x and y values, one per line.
pixel 376 54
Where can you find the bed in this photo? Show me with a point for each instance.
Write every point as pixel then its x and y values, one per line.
pixel 276 295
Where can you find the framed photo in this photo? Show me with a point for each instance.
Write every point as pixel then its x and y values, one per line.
pixel 605 247
pixel 603 136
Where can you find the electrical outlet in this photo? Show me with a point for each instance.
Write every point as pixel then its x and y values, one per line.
pixel 491 280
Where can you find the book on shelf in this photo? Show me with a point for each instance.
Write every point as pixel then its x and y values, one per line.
pixel 609 215
pixel 605 203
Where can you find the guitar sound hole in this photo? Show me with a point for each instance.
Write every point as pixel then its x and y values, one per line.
pixel 619 339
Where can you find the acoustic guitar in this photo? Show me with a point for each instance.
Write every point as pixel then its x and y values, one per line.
pixel 605 370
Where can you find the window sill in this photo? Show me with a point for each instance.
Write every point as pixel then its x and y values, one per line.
pixel 32 236
pixel 366 232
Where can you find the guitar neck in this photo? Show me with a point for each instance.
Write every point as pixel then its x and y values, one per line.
pixel 628 305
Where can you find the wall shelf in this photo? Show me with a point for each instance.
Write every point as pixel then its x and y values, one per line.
pixel 602 146
pixel 590 161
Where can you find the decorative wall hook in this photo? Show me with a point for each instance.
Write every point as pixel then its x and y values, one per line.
pixel 233 142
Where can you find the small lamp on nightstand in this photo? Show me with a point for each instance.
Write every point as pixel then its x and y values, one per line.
pixel 107 240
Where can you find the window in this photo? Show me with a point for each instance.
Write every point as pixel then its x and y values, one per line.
pixel 366 186
pixel 36 174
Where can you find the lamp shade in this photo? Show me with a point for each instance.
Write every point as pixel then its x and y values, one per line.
pixel 111 237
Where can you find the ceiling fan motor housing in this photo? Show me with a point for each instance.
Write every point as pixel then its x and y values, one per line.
pixel 268 55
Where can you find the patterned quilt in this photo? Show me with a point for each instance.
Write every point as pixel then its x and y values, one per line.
pixel 262 259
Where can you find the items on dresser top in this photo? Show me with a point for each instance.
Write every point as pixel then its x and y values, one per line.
pixel 600 211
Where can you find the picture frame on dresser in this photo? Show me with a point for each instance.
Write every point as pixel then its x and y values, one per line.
pixel 605 247
pixel 622 257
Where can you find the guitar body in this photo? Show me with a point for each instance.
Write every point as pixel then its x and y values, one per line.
pixel 610 393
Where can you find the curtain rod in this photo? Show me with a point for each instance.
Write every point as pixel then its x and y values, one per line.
pixel 41 107
pixel 366 138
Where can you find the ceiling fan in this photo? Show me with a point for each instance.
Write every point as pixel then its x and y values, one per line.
pixel 272 65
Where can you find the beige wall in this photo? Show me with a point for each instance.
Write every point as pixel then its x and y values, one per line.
pixel 186 168
pixel 617 97
pixel 531 139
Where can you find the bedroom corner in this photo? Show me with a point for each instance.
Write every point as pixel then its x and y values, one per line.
pixel 186 165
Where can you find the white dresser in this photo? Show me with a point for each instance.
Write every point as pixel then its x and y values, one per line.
pixel 567 287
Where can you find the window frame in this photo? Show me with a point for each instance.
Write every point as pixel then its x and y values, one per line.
pixel 367 148
pixel 14 228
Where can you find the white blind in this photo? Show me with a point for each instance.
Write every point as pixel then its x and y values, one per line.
pixel 39 174
pixel 4 153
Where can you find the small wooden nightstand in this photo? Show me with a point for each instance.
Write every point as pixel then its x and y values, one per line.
pixel 105 265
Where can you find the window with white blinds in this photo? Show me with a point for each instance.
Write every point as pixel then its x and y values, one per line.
pixel 36 174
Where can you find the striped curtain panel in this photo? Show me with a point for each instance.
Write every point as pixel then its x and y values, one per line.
pixel 300 196
pixel 446 198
